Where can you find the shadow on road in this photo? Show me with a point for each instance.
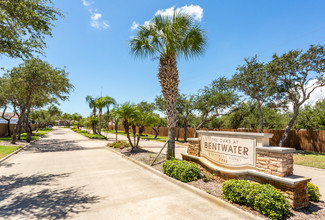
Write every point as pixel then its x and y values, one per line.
pixel 37 196
pixel 53 146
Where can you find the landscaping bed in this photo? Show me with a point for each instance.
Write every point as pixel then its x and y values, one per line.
pixel 212 184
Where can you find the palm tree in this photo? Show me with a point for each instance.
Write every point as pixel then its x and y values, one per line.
pixel 100 103
pixel 92 104
pixel 169 38
pixel 127 113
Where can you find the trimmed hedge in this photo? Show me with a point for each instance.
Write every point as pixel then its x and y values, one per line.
pixel 86 134
pixel 181 170
pixel 264 198
pixel 313 192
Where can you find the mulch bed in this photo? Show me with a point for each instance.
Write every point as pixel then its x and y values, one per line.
pixel 212 185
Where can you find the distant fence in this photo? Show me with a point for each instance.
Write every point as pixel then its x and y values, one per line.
pixel 4 129
pixel 301 140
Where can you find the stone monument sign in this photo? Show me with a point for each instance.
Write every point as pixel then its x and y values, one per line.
pixel 245 155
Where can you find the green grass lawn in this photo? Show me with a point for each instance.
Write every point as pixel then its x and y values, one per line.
pixel 145 136
pixel 310 159
pixel 5 150
pixel 35 135
pixel 86 134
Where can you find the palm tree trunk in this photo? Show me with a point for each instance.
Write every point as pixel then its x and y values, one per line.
pixel 100 121
pixel 168 77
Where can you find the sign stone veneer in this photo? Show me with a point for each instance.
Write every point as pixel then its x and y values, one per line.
pixel 244 155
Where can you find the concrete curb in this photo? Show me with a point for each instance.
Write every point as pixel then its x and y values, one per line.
pixel 20 149
pixel 213 199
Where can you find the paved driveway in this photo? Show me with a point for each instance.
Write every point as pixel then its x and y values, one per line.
pixel 66 175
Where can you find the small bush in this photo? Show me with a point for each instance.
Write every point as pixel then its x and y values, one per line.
pixel 313 192
pixel 181 170
pixel 95 136
pixel 119 144
pixel 264 198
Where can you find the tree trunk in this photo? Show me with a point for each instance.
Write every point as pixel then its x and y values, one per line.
pixel 171 143
pixel 141 129
pixel 203 120
pixel 259 107
pixel 289 126
pixel 100 121
pixel 177 137
pixel 156 130
pixel 185 131
pixel 116 128
pixel 18 126
pixel 8 128
pixel 134 130
pixel 168 77
pixel 28 130
pixel 126 129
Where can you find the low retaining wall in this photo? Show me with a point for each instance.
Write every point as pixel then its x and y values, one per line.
pixel 272 165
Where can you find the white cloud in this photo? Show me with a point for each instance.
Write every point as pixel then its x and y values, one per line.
pixel 87 3
pixel 317 95
pixel 134 26
pixel 99 24
pixel 95 20
pixel 193 10
pixel 95 15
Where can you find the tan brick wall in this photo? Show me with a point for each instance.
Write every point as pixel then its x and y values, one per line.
pixel 193 147
pixel 278 164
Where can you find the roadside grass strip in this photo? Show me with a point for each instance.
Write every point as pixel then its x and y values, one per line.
pixel 310 159
pixel 6 150
pixel 86 134
pixel 35 135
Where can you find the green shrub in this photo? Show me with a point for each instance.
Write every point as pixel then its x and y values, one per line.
pixel 119 144
pixel 181 170
pixel 313 192
pixel 264 198
pixel 95 136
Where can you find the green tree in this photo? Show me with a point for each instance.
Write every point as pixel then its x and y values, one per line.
pixel 185 108
pixel 298 74
pixel 34 84
pixel 169 38
pixel 127 113
pixel 100 103
pixel 77 119
pixel 24 24
pixel 213 100
pixel 145 119
pixel 257 83
pixel 92 104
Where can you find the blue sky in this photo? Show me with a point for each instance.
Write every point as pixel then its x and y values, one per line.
pixel 92 42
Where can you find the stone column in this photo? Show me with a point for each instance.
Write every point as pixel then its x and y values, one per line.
pixel 193 147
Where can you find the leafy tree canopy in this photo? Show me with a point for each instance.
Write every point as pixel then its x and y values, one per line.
pixel 24 25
